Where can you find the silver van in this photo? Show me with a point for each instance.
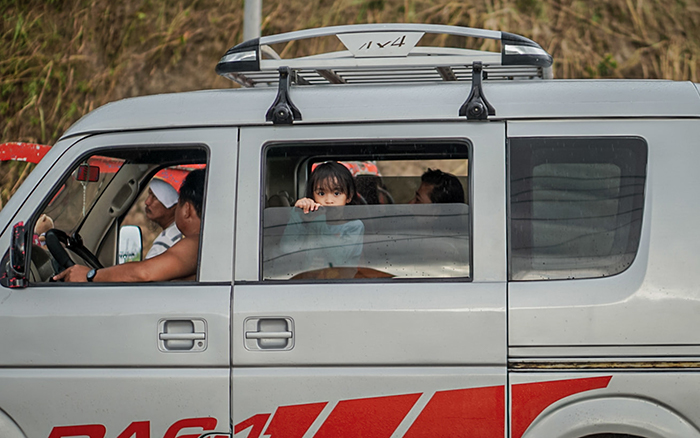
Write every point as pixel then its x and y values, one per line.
pixel 552 298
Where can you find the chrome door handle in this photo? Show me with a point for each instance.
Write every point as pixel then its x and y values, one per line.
pixel 181 336
pixel 268 333
pixel 271 335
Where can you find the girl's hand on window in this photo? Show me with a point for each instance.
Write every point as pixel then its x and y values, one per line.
pixel 307 204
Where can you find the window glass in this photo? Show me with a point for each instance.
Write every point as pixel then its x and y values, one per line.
pixel 77 195
pixel 384 230
pixel 104 195
pixel 575 206
pixel 156 221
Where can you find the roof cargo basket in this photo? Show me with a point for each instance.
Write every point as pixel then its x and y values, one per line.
pixel 385 53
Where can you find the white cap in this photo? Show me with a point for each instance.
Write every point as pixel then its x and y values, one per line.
pixel 166 194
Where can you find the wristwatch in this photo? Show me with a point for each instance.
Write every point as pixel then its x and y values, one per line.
pixel 91 275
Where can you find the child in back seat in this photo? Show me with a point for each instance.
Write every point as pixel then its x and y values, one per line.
pixel 324 244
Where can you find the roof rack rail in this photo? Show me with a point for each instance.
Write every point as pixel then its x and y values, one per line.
pixel 385 53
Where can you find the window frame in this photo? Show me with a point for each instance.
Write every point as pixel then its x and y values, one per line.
pixel 121 150
pixel 344 143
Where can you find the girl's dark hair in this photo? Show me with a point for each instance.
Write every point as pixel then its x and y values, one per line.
pixel 332 175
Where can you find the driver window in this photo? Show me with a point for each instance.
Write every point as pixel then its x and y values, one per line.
pixel 99 215
pixel 381 211
pixel 76 196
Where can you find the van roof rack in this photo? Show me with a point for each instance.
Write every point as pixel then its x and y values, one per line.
pixel 385 53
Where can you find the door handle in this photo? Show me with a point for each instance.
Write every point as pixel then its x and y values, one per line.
pixel 182 335
pixel 269 333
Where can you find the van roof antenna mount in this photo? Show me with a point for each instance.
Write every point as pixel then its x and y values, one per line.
pixel 476 107
pixel 283 111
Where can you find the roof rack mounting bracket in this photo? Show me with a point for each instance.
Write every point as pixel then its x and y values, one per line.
pixel 476 107
pixel 283 111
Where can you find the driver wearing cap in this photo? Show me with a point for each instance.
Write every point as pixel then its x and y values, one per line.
pixel 160 208
pixel 178 263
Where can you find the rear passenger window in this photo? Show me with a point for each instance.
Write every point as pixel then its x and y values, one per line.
pixel 380 211
pixel 575 206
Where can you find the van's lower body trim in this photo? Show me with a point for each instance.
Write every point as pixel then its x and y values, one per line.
pixel 606 365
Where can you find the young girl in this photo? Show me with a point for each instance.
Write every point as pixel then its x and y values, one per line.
pixel 325 243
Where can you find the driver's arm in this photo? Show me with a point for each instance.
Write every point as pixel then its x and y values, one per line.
pixel 180 261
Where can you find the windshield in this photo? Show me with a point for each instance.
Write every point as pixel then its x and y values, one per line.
pixel 75 198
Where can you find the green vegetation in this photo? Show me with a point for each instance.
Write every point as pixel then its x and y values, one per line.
pixel 60 59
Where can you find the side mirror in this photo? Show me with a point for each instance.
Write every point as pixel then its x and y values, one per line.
pixel 130 244
pixel 16 275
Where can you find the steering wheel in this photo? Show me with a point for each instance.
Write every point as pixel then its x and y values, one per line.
pixel 57 241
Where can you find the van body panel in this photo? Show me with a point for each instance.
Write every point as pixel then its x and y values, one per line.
pixel 9 428
pixel 93 326
pixel 512 100
pixel 219 219
pixel 666 409
pixel 74 401
pixel 361 400
pixel 383 324
pixel 618 311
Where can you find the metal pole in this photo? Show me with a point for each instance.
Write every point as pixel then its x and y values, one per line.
pixel 251 19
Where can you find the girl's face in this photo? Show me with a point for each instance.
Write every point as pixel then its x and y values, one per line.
pixel 329 194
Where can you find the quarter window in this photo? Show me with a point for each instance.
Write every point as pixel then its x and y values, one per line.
pixel 575 206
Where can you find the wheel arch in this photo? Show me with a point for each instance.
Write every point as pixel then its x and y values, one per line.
pixel 8 427
pixel 622 416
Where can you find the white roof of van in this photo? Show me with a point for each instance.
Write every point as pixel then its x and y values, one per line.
pixel 552 99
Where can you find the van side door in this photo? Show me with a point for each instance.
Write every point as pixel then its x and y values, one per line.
pixel 117 359
pixel 410 340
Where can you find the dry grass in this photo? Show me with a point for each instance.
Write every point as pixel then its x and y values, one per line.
pixel 60 59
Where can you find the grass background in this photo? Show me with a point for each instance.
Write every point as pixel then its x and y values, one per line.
pixel 61 59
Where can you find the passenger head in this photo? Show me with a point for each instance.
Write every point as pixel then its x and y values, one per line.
pixel 438 187
pixel 331 184
pixel 160 203
pixel 192 190
pixel 372 190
